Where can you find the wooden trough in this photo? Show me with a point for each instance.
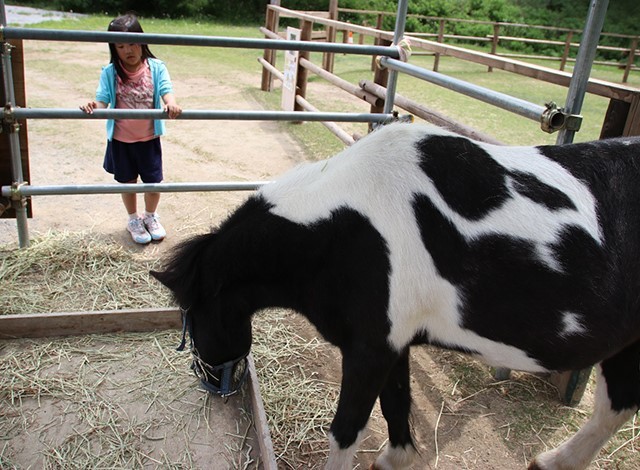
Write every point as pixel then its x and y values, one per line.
pixel 47 325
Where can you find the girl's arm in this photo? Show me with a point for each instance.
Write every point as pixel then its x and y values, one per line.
pixel 171 106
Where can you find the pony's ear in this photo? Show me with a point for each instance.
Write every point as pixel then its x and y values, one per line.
pixel 164 277
pixel 188 274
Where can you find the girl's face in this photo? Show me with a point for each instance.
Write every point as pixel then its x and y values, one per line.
pixel 130 55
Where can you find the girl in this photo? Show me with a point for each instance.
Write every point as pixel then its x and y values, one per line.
pixel 135 78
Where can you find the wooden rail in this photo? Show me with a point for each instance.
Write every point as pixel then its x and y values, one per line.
pixel 428 114
pixel 630 52
pixel 597 87
pixel 622 118
pixel 40 325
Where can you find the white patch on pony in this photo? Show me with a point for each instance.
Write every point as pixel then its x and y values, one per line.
pixel 571 324
pixel 341 459
pixel 530 160
pixel 395 458
pixel 579 451
pixel 379 177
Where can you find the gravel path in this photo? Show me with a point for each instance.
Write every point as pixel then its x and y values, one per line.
pixel 20 16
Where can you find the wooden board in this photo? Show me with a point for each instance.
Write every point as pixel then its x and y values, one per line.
pixel 38 325
pixel 260 421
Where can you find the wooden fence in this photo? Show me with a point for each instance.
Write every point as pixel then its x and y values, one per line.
pixel 566 47
pixel 622 118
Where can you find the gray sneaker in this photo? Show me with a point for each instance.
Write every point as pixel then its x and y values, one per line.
pixel 138 232
pixel 154 227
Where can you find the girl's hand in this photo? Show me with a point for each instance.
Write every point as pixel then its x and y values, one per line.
pixel 173 110
pixel 89 107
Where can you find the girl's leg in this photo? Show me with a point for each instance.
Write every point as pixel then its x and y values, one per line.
pixel 151 201
pixel 130 200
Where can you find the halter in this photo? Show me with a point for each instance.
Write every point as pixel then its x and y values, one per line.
pixel 232 373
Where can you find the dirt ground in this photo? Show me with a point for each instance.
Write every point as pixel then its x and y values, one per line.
pixel 116 401
pixel 462 417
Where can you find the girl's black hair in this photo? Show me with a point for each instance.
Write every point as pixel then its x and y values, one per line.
pixel 127 23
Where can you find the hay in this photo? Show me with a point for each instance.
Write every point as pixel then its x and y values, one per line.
pixel 101 401
pixel 63 271
pixel 299 406
pixel 107 401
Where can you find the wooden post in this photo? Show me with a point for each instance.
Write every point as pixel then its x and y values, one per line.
pixel 377 41
pixel 571 385
pixel 436 60
pixel 380 77
pixel 630 59
pixel 306 27
pixel 494 42
pixel 622 118
pixel 567 50
pixel 271 23
pixel 328 57
pixel 615 119
pixel 632 126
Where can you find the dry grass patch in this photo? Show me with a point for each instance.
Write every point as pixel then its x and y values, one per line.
pixel 65 271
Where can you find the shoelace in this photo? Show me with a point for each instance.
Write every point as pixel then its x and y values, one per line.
pixel 137 225
pixel 151 223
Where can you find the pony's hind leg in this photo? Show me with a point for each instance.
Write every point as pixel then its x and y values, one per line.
pixel 617 398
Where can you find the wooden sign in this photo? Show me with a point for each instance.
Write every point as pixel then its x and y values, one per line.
pixel 290 72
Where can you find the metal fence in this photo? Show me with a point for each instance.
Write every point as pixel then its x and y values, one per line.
pixel 557 118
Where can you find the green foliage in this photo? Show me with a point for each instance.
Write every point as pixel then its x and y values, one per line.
pixel 622 15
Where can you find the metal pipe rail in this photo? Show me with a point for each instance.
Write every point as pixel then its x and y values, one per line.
pixel 507 102
pixel 14 113
pixel 26 190
pixel 584 61
pixel 194 40
pixel 392 80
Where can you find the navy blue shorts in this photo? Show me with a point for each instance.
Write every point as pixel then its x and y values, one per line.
pixel 126 161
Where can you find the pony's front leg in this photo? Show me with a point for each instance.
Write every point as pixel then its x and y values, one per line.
pixel 364 374
pixel 395 402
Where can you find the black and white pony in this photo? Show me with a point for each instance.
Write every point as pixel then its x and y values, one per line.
pixel 523 257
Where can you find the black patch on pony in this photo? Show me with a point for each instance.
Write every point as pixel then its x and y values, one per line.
pixel 541 193
pixel 470 181
pixel 511 296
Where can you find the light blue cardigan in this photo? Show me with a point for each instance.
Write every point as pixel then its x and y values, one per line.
pixel 106 91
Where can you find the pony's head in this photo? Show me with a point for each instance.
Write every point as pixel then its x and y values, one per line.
pixel 215 315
